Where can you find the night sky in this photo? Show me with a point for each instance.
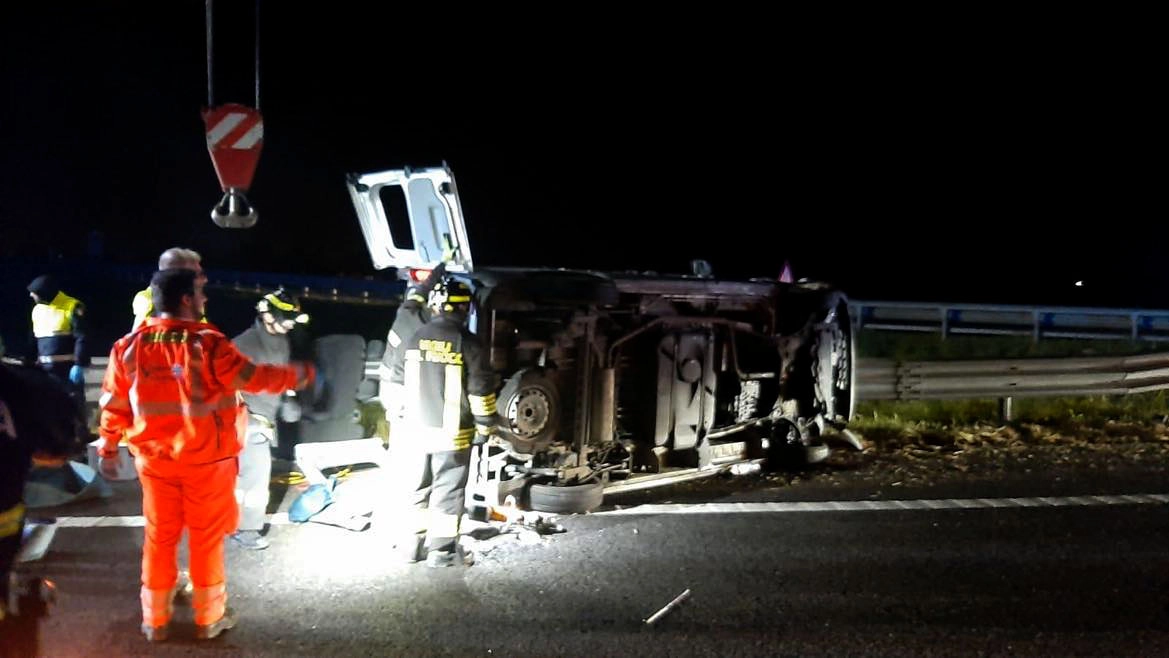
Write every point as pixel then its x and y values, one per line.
pixel 943 159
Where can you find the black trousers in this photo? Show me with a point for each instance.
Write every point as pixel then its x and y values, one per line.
pixel 60 373
pixel 8 549
pixel 19 636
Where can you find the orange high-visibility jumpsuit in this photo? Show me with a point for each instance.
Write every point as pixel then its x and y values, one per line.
pixel 170 391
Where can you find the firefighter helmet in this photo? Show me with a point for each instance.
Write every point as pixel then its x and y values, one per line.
pixel 451 296
pixel 282 306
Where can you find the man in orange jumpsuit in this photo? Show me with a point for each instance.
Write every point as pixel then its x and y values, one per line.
pixel 170 391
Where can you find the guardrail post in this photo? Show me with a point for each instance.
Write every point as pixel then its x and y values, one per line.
pixel 1006 409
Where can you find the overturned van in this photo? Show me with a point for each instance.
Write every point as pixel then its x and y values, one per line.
pixel 622 380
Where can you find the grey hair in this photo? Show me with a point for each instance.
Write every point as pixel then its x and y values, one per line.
pixel 179 258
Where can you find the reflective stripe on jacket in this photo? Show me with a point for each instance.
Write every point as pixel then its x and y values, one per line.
pixel 54 318
pixel 449 391
pixel 56 326
pixel 411 316
pixel 11 520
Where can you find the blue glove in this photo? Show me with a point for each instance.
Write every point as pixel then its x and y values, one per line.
pixel 77 375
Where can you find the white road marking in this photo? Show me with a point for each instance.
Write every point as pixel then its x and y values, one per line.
pixel 281 518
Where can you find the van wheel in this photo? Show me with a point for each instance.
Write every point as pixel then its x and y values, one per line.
pixel 833 366
pixel 530 403
pixel 566 499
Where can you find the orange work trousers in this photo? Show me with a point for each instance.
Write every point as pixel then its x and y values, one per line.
pixel 200 498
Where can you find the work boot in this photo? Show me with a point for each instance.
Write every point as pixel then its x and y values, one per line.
pixel 438 559
pixel 154 603
pixel 410 550
pixel 250 540
pixel 156 633
pixel 457 557
pixel 212 630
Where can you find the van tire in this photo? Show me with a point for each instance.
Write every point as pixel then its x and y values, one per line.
pixel 566 499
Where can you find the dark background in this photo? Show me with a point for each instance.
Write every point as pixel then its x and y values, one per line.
pixel 952 158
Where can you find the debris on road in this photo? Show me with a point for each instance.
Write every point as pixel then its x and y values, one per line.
pixel 668 607
pixel 746 468
pixel 508 522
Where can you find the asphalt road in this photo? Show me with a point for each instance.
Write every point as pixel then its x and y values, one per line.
pixel 1087 577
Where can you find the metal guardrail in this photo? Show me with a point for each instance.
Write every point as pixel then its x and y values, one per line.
pixel 879 379
pixel 1038 322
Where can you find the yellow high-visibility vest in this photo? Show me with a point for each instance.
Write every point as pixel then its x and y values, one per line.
pixel 54 318
pixel 143 307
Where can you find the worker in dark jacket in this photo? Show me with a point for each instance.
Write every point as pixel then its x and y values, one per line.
pixel 266 341
pixel 35 419
pixel 58 327
pixel 449 404
pixel 412 315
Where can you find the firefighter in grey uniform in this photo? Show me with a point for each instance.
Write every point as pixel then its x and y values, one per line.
pixel 266 341
pixel 448 394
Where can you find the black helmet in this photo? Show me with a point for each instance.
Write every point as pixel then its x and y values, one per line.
pixel 451 296
pixel 282 306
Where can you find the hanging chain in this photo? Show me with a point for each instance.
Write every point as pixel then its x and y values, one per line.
pixel 210 41
pixel 211 55
pixel 257 55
